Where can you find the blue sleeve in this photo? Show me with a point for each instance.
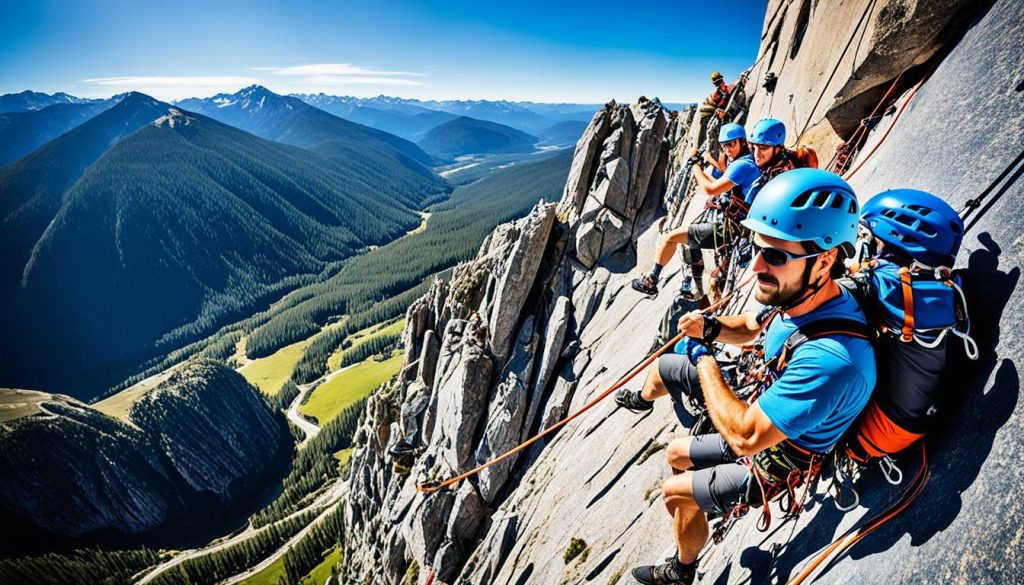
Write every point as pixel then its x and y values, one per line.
pixel 742 173
pixel 754 188
pixel 808 390
pixel 715 173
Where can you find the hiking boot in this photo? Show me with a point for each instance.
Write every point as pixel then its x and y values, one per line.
pixel 646 284
pixel 401 449
pixel 632 401
pixel 670 573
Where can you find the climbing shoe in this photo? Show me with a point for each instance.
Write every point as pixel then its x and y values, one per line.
pixel 631 400
pixel 646 284
pixel 692 288
pixel 401 449
pixel 671 573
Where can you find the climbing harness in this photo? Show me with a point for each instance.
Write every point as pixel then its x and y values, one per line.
pixel 780 470
pixel 428 487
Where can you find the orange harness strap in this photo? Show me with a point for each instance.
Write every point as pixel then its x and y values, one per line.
pixel 907 330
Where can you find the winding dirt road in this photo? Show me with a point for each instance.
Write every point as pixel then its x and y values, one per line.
pixel 327 500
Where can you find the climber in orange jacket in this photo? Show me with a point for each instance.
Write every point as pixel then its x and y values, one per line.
pixel 714 104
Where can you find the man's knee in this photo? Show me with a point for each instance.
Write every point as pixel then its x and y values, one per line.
pixel 678 491
pixel 678 454
pixel 654 377
pixel 678 236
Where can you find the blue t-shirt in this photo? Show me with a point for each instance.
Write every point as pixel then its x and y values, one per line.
pixel 743 172
pixel 827 381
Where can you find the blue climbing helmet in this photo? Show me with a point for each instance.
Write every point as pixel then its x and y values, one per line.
pixel 731 132
pixel 920 224
pixel 768 131
pixel 806 204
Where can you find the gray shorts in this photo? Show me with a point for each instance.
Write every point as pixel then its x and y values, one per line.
pixel 680 377
pixel 719 483
pixel 706 236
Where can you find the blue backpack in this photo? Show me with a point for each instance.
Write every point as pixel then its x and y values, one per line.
pixel 914 309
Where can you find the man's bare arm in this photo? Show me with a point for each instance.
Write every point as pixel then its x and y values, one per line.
pixel 711 186
pixel 745 428
pixel 736 330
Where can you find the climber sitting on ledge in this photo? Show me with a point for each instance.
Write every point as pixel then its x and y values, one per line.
pixel 819 367
pixel 734 190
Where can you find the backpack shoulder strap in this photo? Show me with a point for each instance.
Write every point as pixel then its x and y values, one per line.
pixel 818 329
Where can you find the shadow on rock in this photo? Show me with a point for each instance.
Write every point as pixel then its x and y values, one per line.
pixel 982 406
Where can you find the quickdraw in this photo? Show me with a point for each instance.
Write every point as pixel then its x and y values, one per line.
pixel 772 488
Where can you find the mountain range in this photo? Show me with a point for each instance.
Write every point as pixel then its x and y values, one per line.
pixel 132 226
pixel 22 132
pixel 290 120
pixel 528 117
pixel 148 224
pixel 34 100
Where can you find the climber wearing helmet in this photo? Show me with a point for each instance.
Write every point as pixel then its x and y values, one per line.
pixel 918 237
pixel 767 141
pixel 734 188
pixel 714 104
pixel 818 378
pixel 720 97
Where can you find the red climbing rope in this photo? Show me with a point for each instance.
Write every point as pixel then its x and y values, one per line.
pixel 896 119
pixel 851 146
pixel 429 487
pixel 856 534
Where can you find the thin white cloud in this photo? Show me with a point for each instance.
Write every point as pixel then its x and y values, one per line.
pixel 355 80
pixel 342 69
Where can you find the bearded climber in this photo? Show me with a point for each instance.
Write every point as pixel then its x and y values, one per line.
pixel 804 224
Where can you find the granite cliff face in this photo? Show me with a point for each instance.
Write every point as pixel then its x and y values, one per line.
pixel 544 319
pixel 188 452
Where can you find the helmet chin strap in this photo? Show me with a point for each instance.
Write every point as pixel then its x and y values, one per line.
pixel 808 289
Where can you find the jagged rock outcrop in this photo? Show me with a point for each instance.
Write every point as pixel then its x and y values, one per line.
pixel 509 319
pixel 581 327
pixel 190 450
pixel 615 168
pixel 834 60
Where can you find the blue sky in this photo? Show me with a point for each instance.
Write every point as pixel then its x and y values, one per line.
pixel 539 51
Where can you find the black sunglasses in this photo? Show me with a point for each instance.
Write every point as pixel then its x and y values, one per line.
pixel 777 257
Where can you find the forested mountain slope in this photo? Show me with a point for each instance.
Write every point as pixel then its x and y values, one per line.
pixel 178 225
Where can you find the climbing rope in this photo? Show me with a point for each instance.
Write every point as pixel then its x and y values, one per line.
pixel 892 125
pixel 428 487
pixel 810 116
pixel 841 545
pixel 851 146
pixel 973 205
